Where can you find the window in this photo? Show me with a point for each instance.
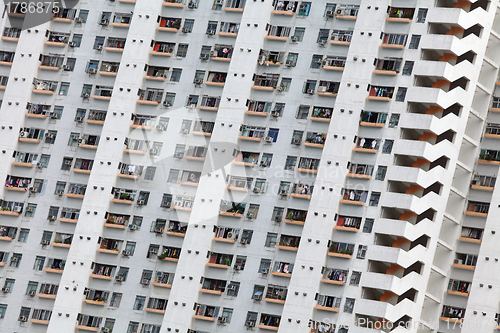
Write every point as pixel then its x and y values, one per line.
pixel 44 160
pixel 309 87
pixel 71 63
pixel 199 76
pixel 130 247
pixel 374 198
pixel 84 14
pixel 421 15
pixel 232 290
pixel 50 138
pixel 67 163
pixel 349 305
pixel 273 133
pixel 186 126
pixel 330 7
pixel 387 148
pixel 150 173
pixel 30 210
pixel 304 9
pixel 247 235
pixel 188 25
pixel 381 171
pixel 98 43
pixel 192 101
pixel 15 260
pixel 401 94
pixel 80 113
pixel 361 252
pixel 285 84
pixel 264 266
pixel 355 277
pixel 156 148
pixel 137 221
pixel 139 302
pixel 182 51
pixel 394 120
pixel 271 239
pixel 407 68
pixel 240 263
pixel 9 284
pixel 290 163
pixel 368 226
pixel 123 271
pixel 60 187
pixel 143 196
pixel 299 34
pixel 133 327
pixel 173 176
pixel 291 59
pixel 58 110
pixel 316 62
pixel 77 39
pixel 176 75
pixel 46 236
pixel 115 300
pixel 32 286
pixel 414 42
pixel 212 27
pixel 86 90
pixel 323 36
pixel 23 235
pixel 169 99
pixel 297 137
pixel 227 313
pixel 266 159
pixel 302 112
pixel 205 52
pixel 163 122
pixel 39 262
pixel 3 309
pixel 63 90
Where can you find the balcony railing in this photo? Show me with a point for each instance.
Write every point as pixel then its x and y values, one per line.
pixel 452 313
pixel 341 36
pixel 335 276
pixel 341 248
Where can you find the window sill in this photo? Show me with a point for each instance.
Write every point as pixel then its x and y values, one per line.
pixel 277 38
pixel 22 164
pixel 32 115
pixel 398 20
pixel 102 98
pixel 353 175
pixel 349 229
pixel 62 20
pixel 352 202
pixel 227 34
pixel 152 103
pixel 123 201
pixel 301 196
pixel 95 122
pixel 49 68
pixel 44 92
pixel 173 4
pixel 113 49
pixel 104 73
pixel 295 222
pixel 257 113
pixel 56 44
pixel 325 308
pixel 163 54
pixel 165 29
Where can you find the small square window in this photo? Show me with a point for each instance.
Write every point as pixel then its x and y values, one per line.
pixel 401 94
pixel 387 148
pixel 407 68
pixel 304 9
pixel 58 110
pixel 3 309
pixel 176 75
pixel 414 42
pixel 150 173
pixel 99 42
pixel 302 112
pixel 84 14
pixel 381 171
pixel 186 126
pixel 70 63
pixel 139 303
pixel 23 235
pixel 361 252
pixel 182 51
pixel 63 90
pixel 44 160
pixel 227 313
pixel 285 84
pixel 368 226
pixel 349 305
pixel 77 39
pixel 169 99
pixel 173 176
pixel 205 52
pixel 299 34
pixel 271 239
pixel 330 7
pixel 15 260
pixel 421 15
pixel 355 278
pixel 374 199
pixel 50 138
pixel 323 36
pixel 188 26
pixel 316 61
pixel 394 120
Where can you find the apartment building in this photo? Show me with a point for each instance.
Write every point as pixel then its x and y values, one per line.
pixel 229 166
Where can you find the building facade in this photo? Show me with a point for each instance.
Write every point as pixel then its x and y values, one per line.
pixel 229 165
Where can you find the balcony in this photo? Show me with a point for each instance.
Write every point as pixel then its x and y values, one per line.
pixel 289 243
pixel 452 314
pixel 484 183
pixel 156 305
pixel 176 229
pixel 190 178
pixel 347 12
pixel 64 16
pixel 226 235
pixel 96 117
pixel 76 191
pixel 156 73
pixel 109 68
pixel 489 156
pixel 15 11
pixel 334 276
pixel 282 269
pixel 196 153
pixel 150 96
pixel 209 103
pixel 276 294
pixel 102 93
pixel 471 235
pixel 143 122
pixel 387 66
pixel 11 34
pixel 203 128
pixel 174 3
pixel 367 145
pixel 295 216
pixel 266 82
pixel 22 159
pixel 117 221
pixel 353 197
pixel 235 6
pixel 315 140
pixel 96 297
pixel 269 322
pixel 328 303
pixel 372 119
pixel 130 171
pixel 170 254
pixel 258 108
pixel 229 29
pixel 341 37
pixel 206 312
pixel 213 286
pixel 459 288
pixel 328 88
pixel 270 58
pixel 110 246
pixel 394 41
pixel 7 233
pixel 302 191
pixel 308 165
pixel 44 87
pixel 122 20
pixel 348 223
pixel 222 52
pixel 9 208
pixel 400 15
pixel 115 44
pixel 163 49
pixel 57 39
pixel 102 272
pixel 252 133
pixel 477 209
pixel 278 33
pixel 340 250
pixel 183 203
pixel 55 266
pixel 88 323
pixel 360 171
pixel 163 279
pixel 83 166
pixel 62 240
pixel 13 183
pixel 231 209
pixel 217 79
pixel 379 93
pixel 220 260
pixel 286 8
pixel 169 24
pixel 465 261
pixel 133 146
pixel 124 196
pixel 249 159
pixel 321 114
pixel 334 63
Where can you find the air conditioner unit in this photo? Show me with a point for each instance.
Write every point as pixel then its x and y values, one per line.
pixel 18 209
pixel 104 22
pixel 269 139
pixel 140 202
pixel 66 68
pixel 231 235
pixel 145 282
pixel 198 81
pixel 92 71
pixel 255 190
pixel 14 259
pixel 458 261
pixel 49 135
pixel 185 131
pixel 244 241
pixel 250 324
pixel 78 20
pixel 159 230
pixel 126 253
pixel 119 278
pixel 154 251
pixel 278 218
pixel 310 91
pixel 54 115
pixel 289 63
pixel 211 32
pixel 261 58
pixel 23 134
pixel 219 2
pixel 86 96
pixel 32 190
pixel 39 165
pixel 153 151
pixel 98 47
pixel 237 267
pixel 185 30
pixel 204 57
pixel 167 103
pixel 475 182
pixel 60 192
pixel 323 42
pixel 284 193
pixel 231 287
pixel 5 289
pixel 263 164
pixel 330 13
pixel 257 297
pixel 297 142
pixel 45 242
pixel 160 127
pixel 280 88
pixel 250 216
pixel 322 89
pixel 80 141
pixel 265 271
pixel 31 293
pixel 191 5
pixel 222 320
pixel 79 119
pixel 179 155
pixel 72 44
pixel 23 319
pixel 167 205
pixel 132 227
pixel 213 53
pixel 105 330
pixel 52 218
pixel 294 39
